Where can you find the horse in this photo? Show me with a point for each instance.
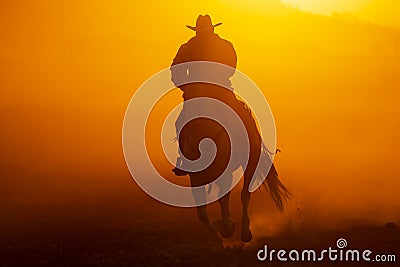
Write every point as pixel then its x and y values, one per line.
pixel 192 133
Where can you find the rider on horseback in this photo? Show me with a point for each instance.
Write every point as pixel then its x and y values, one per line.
pixel 205 46
pixel 202 69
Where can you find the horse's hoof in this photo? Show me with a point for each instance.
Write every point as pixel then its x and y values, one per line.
pixel 246 236
pixel 226 229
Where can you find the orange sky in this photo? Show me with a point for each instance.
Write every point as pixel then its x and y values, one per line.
pixel 68 70
pixel 383 12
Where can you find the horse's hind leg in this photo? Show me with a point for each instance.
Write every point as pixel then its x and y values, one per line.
pixel 226 226
pixel 203 217
pixel 224 204
pixel 246 235
pixel 199 195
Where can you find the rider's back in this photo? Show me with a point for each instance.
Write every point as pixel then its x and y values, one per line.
pixel 210 48
pixel 207 48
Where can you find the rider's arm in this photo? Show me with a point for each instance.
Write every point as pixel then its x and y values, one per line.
pixel 231 57
pixel 179 73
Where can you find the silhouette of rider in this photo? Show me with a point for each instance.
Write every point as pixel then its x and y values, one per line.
pixel 205 46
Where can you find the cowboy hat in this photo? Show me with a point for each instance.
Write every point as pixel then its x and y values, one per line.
pixel 203 22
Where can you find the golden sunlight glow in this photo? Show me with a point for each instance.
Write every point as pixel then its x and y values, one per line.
pixel 328 6
pixel 69 68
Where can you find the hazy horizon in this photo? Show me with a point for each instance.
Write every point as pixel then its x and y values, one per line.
pixel 382 12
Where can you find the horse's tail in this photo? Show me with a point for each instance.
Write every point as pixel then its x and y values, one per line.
pixel 276 188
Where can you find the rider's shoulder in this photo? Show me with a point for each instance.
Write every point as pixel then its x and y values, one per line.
pixel 191 40
pixel 214 39
pixel 222 40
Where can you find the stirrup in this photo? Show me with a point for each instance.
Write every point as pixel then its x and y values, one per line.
pixel 179 172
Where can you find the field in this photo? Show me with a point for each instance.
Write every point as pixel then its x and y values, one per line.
pixel 137 231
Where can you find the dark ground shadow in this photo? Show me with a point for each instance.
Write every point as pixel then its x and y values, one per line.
pixel 120 231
